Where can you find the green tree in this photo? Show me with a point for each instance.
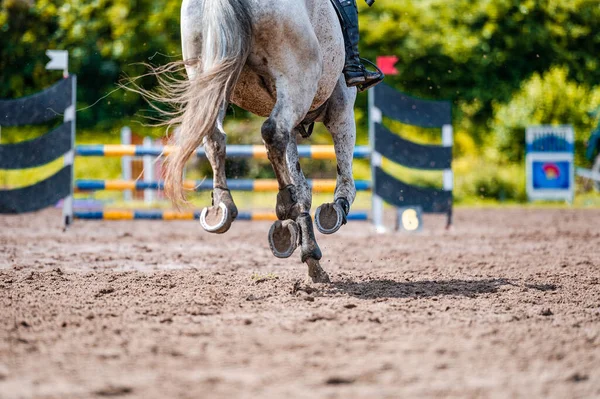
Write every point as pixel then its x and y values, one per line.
pixel 478 53
pixel 106 39
pixel 549 99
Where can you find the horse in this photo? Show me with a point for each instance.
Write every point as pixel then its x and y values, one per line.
pixel 281 60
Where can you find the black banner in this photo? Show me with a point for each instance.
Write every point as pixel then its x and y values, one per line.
pixel 410 110
pixel 37 152
pixel 37 108
pixel 38 196
pixel 400 194
pixel 409 154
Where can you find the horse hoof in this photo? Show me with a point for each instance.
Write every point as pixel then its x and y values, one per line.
pixel 329 218
pixel 316 272
pixel 283 238
pixel 216 219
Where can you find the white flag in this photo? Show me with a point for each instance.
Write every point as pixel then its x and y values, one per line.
pixel 59 59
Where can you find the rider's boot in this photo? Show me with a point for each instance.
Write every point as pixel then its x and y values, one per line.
pixel 354 71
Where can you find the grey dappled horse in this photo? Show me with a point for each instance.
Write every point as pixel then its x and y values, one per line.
pixel 280 59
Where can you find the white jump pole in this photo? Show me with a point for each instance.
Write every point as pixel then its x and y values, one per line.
pixel 376 201
pixel 448 177
pixel 59 60
pixel 126 161
pixel 148 162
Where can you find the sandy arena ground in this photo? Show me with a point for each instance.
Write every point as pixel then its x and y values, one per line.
pixel 505 305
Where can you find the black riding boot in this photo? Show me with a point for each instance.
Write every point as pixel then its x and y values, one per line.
pixel 354 71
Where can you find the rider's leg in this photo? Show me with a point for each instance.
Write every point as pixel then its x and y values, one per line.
pixel 354 71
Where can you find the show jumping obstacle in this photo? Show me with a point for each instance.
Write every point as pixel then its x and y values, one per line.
pixel 322 152
pixel 383 102
pixel 41 107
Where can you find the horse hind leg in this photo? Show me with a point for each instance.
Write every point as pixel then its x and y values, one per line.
pixel 218 217
pixel 339 120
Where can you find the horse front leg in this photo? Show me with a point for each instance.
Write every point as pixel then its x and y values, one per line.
pixel 339 120
pixel 294 226
pixel 218 217
pixel 310 252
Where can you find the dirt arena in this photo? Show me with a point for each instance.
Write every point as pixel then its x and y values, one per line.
pixel 505 305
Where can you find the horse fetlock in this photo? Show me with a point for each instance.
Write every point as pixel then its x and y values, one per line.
pixel 308 243
pixel 218 218
pixel 223 195
pixel 283 238
pixel 287 203
pixel 345 205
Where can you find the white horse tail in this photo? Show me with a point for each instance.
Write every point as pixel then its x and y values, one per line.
pixel 226 40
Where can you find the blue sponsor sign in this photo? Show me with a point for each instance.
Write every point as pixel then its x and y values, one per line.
pixel 551 175
pixel 549 163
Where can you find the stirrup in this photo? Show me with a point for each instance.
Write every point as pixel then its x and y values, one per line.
pixel 374 82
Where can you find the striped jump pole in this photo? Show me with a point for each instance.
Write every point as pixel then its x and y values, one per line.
pixel 108 214
pixel 318 152
pixel 323 152
pixel 259 185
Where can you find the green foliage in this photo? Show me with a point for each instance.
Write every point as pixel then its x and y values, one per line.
pixel 474 53
pixel 549 99
pixel 477 53
pixel 476 179
pixel 107 39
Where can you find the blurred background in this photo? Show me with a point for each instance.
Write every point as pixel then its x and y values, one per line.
pixel 504 64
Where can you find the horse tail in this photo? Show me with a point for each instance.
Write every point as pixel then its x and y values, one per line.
pixel 226 40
